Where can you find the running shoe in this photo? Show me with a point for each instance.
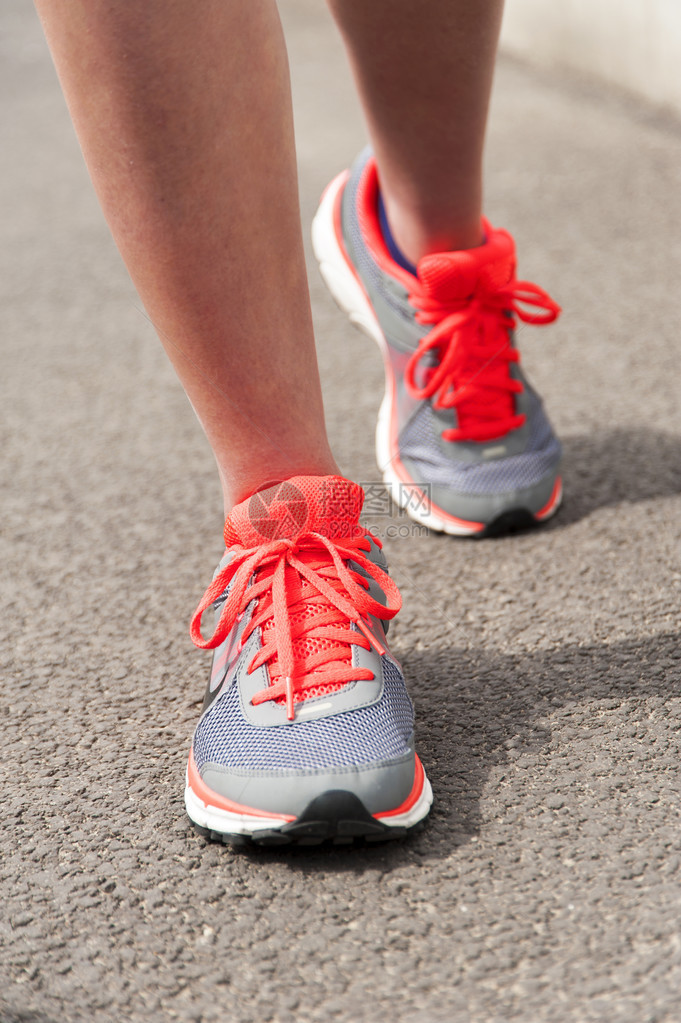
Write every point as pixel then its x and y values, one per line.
pixel 307 729
pixel 462 440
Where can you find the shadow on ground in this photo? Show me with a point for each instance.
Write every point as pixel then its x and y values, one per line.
pixel 614 467
pixel 473 708
pixel 10 1014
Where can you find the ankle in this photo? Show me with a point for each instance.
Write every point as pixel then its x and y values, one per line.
pixel 239 486
pixel 416 232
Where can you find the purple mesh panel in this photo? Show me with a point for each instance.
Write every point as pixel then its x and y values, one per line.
pixel 361 736
pixel 419 443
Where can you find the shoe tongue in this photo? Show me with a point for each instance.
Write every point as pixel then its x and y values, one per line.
pixel 454 276
pixel 329 505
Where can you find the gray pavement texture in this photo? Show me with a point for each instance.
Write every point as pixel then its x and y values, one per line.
pixel 545 667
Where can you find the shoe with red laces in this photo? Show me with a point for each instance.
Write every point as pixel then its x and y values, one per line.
pixel 307 728
pixel 462 439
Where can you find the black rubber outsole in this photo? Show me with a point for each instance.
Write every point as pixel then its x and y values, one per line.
pixel 512 521
pixel 336 818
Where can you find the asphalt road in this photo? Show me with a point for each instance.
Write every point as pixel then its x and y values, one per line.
pixel 545 667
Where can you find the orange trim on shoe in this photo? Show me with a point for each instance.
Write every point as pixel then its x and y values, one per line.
pixel 367 214
pixel 412 798
pixel 474 527
pixel 211 798
pixel 552 502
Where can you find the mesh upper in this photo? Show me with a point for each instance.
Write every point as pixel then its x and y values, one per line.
pixel 361 736
pixel 419 443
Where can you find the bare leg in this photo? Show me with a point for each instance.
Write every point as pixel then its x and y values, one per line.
pixel 185 123
pixel 424 73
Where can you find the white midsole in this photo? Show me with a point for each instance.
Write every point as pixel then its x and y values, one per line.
pixel 214 818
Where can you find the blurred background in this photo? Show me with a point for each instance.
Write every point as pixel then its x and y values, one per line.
pixel 634 44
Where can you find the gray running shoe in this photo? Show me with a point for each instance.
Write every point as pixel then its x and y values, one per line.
pixel 462 439
pixel 307 729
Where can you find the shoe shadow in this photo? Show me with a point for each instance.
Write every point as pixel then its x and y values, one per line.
pixel 475 712
pixel 9 1014
pixel 616 467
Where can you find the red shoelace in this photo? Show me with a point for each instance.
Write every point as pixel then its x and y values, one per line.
pixel 463 362
pixel 307 597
